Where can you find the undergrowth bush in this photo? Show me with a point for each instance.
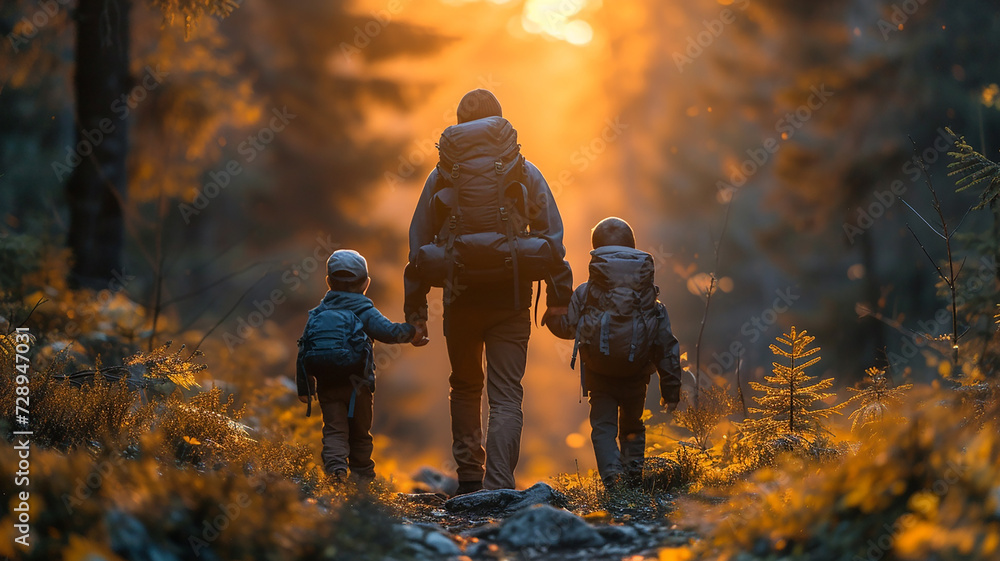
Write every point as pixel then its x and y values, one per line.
pixel 930 489
pixel 138 508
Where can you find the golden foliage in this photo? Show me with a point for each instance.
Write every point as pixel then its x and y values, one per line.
pixel 194 10
pixel 786 406
pixel 974 169
pixel 927 490
pixel 876 399
pixel 715 404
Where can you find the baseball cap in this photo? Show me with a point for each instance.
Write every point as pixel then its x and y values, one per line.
pixel 347 265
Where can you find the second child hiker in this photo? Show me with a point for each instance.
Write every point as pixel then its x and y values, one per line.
pixel 622 334
pixel 336 364
pixel 485 227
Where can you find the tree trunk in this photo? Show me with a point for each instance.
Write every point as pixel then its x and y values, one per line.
pixel 97 188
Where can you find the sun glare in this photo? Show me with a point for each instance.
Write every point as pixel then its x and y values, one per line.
pixel 557 19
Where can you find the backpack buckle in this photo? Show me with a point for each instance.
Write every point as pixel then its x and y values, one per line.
pixel 453 222
pixel 503 213
pixel 508 263
pixel 499 167
pixel 454 170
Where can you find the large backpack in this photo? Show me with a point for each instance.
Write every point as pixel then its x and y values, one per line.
pixel 618 322
pixel 336 351
pixel 480 205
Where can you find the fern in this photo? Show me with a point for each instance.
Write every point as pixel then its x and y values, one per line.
pixel 876 399
pixel 786 408
pixel 161 366
pixel 974 169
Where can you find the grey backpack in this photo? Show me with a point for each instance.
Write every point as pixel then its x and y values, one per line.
pixel 481 206
pixel 618 322
pixel 336 351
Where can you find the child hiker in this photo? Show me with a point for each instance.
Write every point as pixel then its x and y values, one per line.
pixel 336 364
pixel 622 334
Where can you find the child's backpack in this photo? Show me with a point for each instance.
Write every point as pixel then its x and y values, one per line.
pixel 618 322
pixel 481 207
pixel 336 351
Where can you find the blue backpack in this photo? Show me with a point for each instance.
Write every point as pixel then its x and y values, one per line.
pixel 336 351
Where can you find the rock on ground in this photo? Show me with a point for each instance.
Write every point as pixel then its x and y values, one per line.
pixel 548 527
pixel 504 502
pixel 430 480
pixel 427 541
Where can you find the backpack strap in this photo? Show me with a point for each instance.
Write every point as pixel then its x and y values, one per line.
pixel 579 328
pixel 538 296
pixel 449 251
pixel 369 379
pixel 605 333
pixel 576 343
pixel 635 335
pixel 512 245
pixel 305 345
pixel 509 227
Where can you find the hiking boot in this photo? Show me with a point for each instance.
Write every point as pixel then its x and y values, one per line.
pixel 338 477
pixel 614 483
pixel 633 477
pixel 466 487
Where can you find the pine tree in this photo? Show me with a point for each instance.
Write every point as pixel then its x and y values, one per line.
pixel 876 398
pixel 787 409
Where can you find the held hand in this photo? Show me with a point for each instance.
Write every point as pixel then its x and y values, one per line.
pixel 304 398
pixel 554 312
pixel 420 338
pixel 669 409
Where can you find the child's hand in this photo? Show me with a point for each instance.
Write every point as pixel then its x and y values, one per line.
pixel 669 408
pixel 552 313
pixel 420 337
pixel 304 398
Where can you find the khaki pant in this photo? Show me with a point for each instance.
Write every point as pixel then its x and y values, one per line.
pixel 347 443
pixel 618 415
pixel 504 336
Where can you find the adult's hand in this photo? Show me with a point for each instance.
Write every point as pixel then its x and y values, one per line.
pixel 304 398
pixel 554 312
pixel 420 338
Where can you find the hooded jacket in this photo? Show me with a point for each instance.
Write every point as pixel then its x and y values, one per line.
pixel 376 326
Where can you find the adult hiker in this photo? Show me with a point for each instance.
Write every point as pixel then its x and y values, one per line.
pixel 486 226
